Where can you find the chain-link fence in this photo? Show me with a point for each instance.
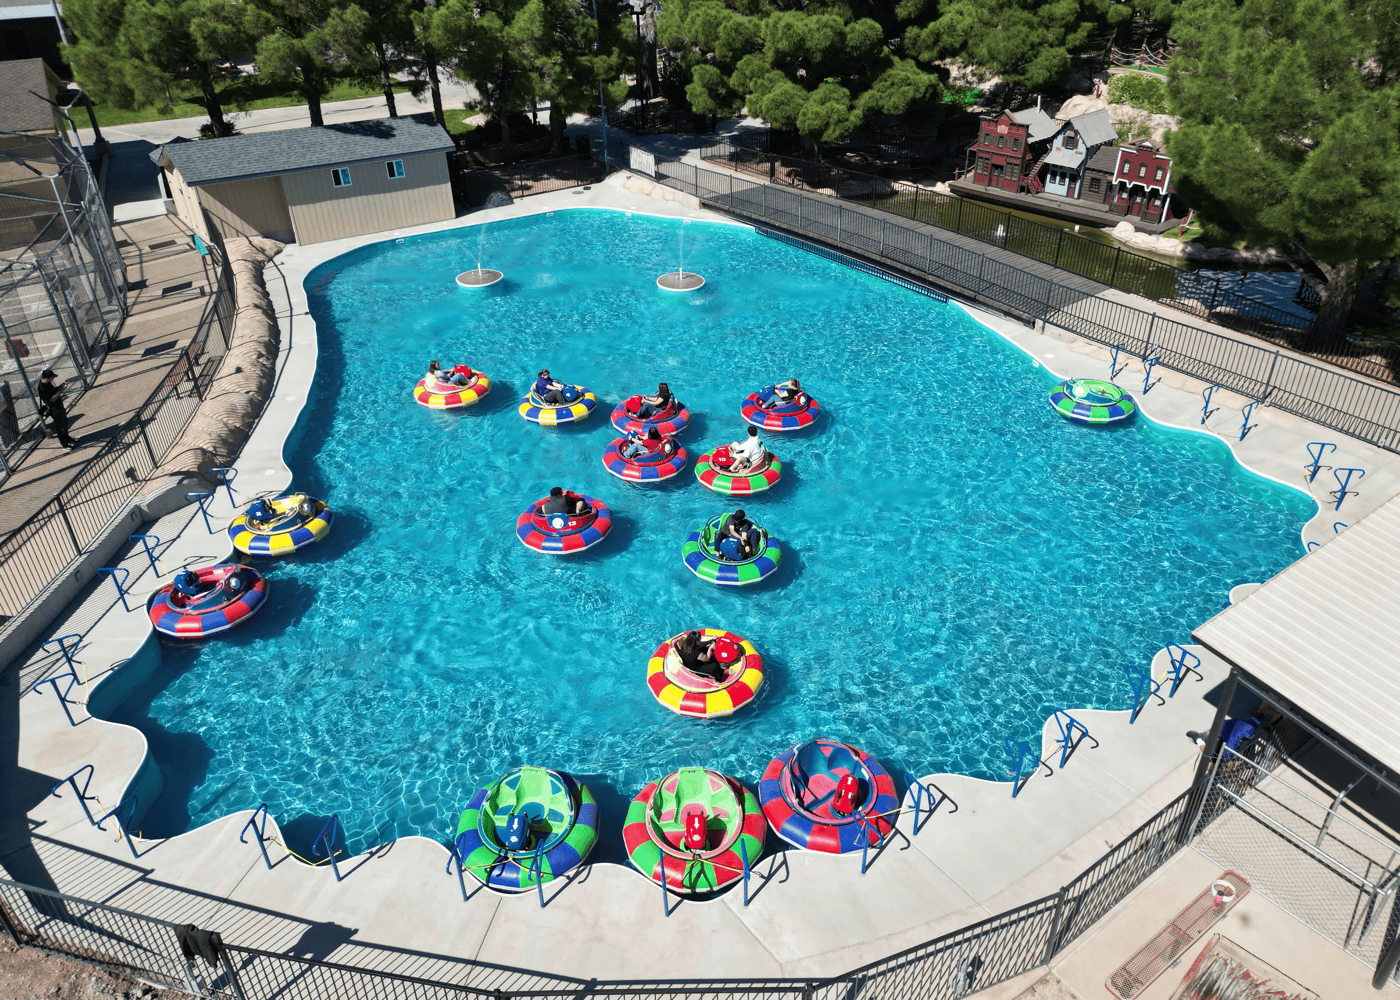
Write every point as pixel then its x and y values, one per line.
pixel 62 284
pixel 1274 812
pixel 948 967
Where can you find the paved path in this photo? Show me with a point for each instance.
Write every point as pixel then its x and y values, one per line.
pixel 397 910
pixel 169 289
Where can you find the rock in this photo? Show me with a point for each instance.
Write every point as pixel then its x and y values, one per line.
pixel 1080 104
pixel 942 188
pixel 639 185
pixel 1123 231
pixel 497 199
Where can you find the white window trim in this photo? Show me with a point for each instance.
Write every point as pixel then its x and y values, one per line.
pixel 395 169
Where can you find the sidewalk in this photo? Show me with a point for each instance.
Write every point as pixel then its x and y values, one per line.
pixel 169 287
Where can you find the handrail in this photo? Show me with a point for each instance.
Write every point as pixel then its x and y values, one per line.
pixel 921 793
pixel 1015 748
pixel 146 542
pixel 1316 457
pixel 1144 689
pixel 1066 741
pixel 112 571
pixel 333 825
pixel 1341 492
pixel 123 828
pixel 226 475
pixel 1246 426
pixel 83 796
pixel 199 498
pixel 1206 411
pixel 261 832
pixel 1179 656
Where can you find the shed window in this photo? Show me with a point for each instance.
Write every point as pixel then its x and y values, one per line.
pixel 340 176
pixel 1071 142
pixel 1093 183
pixel 395 168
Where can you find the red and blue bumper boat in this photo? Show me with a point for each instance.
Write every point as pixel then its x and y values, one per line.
pixel 763 409
pixel 825 796
pixel 666 461
pixel 563 534
pixel 670 419
pixel 207 601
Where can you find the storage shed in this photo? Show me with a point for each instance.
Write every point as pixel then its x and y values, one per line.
pixel 310 185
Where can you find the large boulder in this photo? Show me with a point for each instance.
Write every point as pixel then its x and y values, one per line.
pixel 1080 104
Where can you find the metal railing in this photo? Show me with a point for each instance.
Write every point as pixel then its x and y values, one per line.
pixel 1189 291
pixel 952 965
pixel 1001 279
pixel 473 186
pixel 35 553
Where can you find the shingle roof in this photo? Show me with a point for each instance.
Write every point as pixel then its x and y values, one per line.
pixel 266 154
pixel 1094 128
pixel 20 110
pixel 1105 158
pixel 1039 124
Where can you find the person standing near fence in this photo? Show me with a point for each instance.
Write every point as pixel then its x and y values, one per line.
pixel 51 395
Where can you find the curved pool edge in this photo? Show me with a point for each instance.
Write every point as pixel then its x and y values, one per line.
pixel 264 453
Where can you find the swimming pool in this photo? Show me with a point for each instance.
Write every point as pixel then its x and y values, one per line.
pixel 955 569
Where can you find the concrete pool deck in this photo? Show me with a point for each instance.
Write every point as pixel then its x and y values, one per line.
pixel 397 909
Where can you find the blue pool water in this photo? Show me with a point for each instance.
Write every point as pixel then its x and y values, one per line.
pixel 958 566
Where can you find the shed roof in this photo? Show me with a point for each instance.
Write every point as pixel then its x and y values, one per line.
pixel 20 109
pixel 266 154
pixel 1105 158
pixel 1323 633
pixel 1094 128
pixel 1038 124
pixel 1062 157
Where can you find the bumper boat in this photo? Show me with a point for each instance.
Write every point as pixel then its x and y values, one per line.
pixel 710 470
pixel 563 534
pixel 530 826
pixel 207 601
pixel 826 796
pixel 672 419
pixel 440 395
pixel 703 559
pixel 758 409
pixel 574 409
pixel 687 693
pixel 1092 401
pixel 666 462
pixel 277 527
pixel 693 830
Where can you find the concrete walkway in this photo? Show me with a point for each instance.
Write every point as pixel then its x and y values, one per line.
pixel 397 910
pixel 169 287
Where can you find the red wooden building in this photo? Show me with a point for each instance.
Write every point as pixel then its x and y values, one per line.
pixel 1142 182
pixel 1007 149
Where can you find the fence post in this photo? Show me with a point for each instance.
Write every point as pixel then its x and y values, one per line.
pixel 1269 379
pixel 1059 243
pixel 141 426
pixel 957 226
pixel 77 549
pixel 10 928
pixel 1055 928
pixel 883 223
pixel 1113 278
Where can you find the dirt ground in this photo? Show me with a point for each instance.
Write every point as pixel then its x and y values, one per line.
pixel 27 974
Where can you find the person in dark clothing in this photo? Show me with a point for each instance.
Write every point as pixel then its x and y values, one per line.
pixel 738 526
pixel 51 395
pixel 650 406
pixel 548 389
pixel 561 501
pixel 698 656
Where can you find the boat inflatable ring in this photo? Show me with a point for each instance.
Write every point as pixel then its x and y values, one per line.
pixel 1092 401
pixel 299 521
pixel 793 416
pixel 672 419
pixel 701 559
pixel 653 468
pixel 687 693
pixel 572 834
pixel 654 830
pixel 755 481
pixel 563 534
pixel 537 411
pixel 798 789
pixel 439 395
pixel 229 594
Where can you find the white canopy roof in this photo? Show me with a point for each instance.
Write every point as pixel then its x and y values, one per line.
pixel 1325 634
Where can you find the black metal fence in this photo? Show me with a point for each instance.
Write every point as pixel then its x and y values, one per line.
pixel 975 957
pixel 1001 279
pixel 33 554
pixel 1192 292
pixel 474 186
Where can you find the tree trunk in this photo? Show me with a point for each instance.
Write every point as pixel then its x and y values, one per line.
pixel 431 63
pixel 214 106
pixel 385 78
pixel 505 134
pixel 311 90
pixel 1337 296
pixel 558 142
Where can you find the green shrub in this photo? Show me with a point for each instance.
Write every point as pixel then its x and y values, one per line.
pixel 1138 91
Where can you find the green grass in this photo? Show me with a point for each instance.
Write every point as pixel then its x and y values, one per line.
pixel 248 93
pixel 456 121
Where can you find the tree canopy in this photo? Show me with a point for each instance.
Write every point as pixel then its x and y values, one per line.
pixel 1290 127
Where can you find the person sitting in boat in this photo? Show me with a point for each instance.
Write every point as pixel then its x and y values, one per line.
pixel 784 393
pixel 562 501
pixel 552 392
pixel 183 587
pixel 738 537
pixel 261 510
pixel 459 375
pixel 746 453
pixel 650 406
pixel 644 444
pixel 697 654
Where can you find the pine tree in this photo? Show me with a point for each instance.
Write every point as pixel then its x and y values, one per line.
pixel 1290 127
pixel 293 45
pixel 375 37
pixel 575 54
pixel 131 53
